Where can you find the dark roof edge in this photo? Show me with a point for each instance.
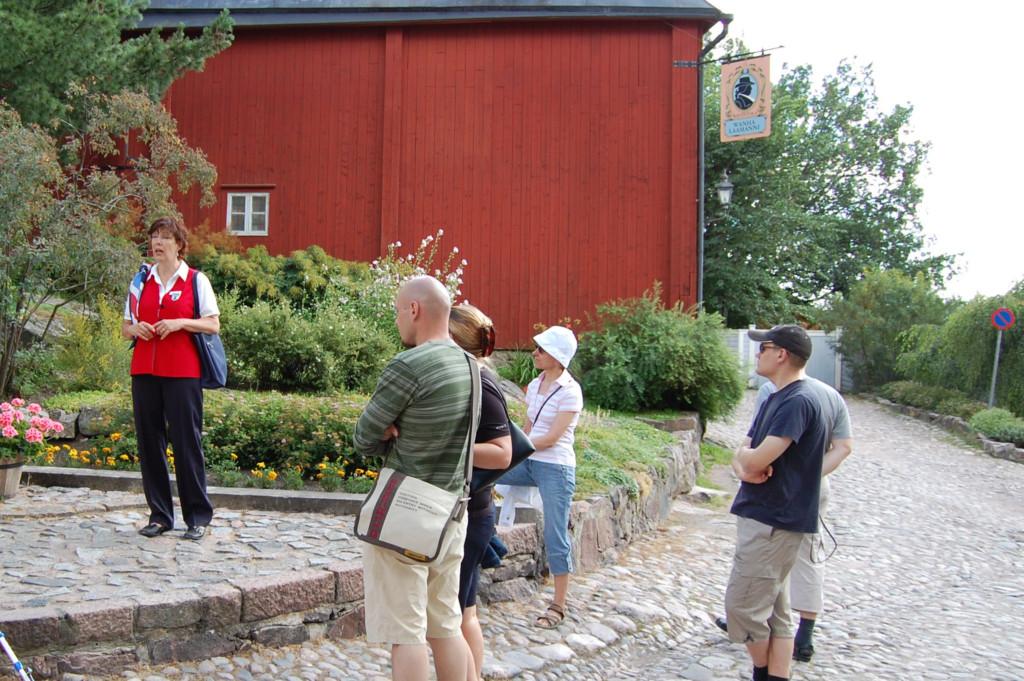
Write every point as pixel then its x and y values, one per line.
pixel 263 18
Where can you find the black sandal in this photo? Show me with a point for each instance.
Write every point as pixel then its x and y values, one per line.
pixel 551 618
pixel 153 530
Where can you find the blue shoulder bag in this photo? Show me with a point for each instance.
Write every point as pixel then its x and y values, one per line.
pixel 213 363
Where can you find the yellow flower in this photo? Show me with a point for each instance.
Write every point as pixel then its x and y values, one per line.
pixel 107 450
pixel 234 457
pixel 110 461
pixel 261 465
pixel 372 475
pixel 272 475
pixel 123 457
pixel 322 465
pixel 114 437
pixel 319 476
pixel 359 471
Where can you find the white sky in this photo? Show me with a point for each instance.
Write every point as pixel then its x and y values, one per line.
pixel 961 73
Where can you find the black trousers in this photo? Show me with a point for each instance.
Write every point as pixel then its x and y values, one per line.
pixel 174 407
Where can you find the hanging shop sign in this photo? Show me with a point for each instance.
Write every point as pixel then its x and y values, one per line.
pixel 746 99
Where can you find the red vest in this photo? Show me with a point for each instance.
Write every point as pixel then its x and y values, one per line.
pixel 175 356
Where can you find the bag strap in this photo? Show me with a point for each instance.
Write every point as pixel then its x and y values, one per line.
pixel 544 404
pixel 474 420
pixel 195 292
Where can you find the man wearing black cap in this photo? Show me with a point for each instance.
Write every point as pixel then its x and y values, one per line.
pixel 780 462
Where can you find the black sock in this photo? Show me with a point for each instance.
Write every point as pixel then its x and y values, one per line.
pixel 805 633
pixel 776 678
pixel 760 673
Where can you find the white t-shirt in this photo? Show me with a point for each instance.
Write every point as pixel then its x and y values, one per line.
pixel 568 398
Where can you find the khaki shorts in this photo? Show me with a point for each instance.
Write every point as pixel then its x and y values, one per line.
pixel 408 602
pixel 807 579
pixel 757 598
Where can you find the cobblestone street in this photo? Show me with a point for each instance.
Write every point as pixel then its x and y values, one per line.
pixel 927 583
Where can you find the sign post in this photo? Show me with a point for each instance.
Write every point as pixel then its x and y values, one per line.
pixel 1002 319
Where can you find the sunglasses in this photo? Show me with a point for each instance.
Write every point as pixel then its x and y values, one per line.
pixel 769 346
pixel 540 350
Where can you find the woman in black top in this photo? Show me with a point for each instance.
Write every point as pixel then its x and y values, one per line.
pixel 474 333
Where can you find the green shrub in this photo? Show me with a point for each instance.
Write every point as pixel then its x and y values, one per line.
pixel 303 279
pixel 646 356
pixel 517 366
pixel 374 300
pixel 92 354
pixel 278 430
pixel 877 310
pixel 244 429
pixel 35 372
pixel 999 424
pixel 273 347
pixel 961 351
pixel 931 398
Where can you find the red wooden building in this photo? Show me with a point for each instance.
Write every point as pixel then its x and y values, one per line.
pixel 555 143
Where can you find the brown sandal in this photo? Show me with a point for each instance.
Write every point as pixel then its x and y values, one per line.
pixel 551 618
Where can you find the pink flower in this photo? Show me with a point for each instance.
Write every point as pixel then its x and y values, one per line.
pixel 6 407
pixel 40 422
pixel 56 427
pixel 34 435
pixel 6 419
pixel 34 408
pixel 10 431
pixel 18 416
pixel 18 402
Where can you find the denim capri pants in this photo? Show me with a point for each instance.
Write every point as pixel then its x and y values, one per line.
pixel 556 483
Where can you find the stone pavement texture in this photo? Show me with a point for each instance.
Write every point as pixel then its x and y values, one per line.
pixel 94 553
pixel 927 582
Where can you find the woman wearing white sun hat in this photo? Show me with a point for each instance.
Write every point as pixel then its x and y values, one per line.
pixel 554 401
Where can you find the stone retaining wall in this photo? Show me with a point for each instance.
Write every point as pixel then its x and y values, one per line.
pixel 289 608
pixel 1000 450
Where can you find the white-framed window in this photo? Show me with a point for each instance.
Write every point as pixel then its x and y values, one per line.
pixel 248 213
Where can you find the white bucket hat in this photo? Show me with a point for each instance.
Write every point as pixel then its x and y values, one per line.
pixel 559 342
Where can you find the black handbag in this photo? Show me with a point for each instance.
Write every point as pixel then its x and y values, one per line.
pixel 522 448
pixel 213 362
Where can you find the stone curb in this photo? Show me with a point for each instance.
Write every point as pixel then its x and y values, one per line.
pixel 238 498
pixel 955 424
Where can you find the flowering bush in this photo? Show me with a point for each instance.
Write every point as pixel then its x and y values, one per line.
pixel 374 302
pixel 23 431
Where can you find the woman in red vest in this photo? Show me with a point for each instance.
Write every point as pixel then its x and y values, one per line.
pixel 167 399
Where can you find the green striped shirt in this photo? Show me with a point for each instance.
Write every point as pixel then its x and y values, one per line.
pixel 425 393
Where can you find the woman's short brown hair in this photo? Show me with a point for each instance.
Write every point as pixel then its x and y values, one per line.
pixel 472 330
pixel 172 227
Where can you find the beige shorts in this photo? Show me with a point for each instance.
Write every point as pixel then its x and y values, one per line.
pixel 408 602
pixel 807 579
pixel 757 598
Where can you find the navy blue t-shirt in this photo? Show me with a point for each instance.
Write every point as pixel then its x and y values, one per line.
pixel 789 499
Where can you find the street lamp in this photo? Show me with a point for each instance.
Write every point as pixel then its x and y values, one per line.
pixel 725 188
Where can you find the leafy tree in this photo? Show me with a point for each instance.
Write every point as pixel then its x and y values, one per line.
pixel 960 352
pixel 879 308
pixel 830 193
pixel 59 223
pixel 49 46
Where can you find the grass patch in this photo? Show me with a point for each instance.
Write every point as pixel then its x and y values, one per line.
pixel 711 455
pixel 617 450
